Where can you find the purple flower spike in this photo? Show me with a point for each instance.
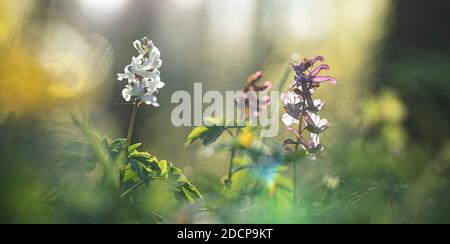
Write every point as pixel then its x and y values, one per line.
pixel 302 110
pixel 251 89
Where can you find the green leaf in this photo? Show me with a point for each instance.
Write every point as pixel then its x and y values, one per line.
pixel 77 155
pixel 183 190
pixel 118 144
pixel 130 175
pixel 210 121
pixel 133 147
pixel 174 172
pixel 294 156
pixel 140 170
pixel 163 166
pixel 141 156
pixel 207 134
pixel 186 192
pixel 280 168
pixel 283 183
pixel 212 135
pixel 289 142
pixel 242 179
pixel 196 134
pixel 242 160
pixel 154 166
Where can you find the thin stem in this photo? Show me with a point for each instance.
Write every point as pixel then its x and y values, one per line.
pixel 132 189
pixel 230 165
pixel 129 136
pixel 294 177
pixel 132 121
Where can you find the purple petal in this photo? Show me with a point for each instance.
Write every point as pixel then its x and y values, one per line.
pixel 267 85
pixel 314 60
pixel 318 69
pixel 320 79
pixel 306 64
pixel 254 77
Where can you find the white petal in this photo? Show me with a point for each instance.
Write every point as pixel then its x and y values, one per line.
pixel 121 76
pixel 160 84
pixel 288 120
pixel 323 125
pixel 315 140
pixel 126 94
pixel 318 104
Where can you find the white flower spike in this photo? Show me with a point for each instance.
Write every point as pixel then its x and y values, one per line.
pixel 142 74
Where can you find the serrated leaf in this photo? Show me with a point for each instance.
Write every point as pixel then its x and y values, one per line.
pixel 140 170
pixel 154 166
pixel 186 192
pixel 133 147
pixel 141 156
pixel 118 144
pixel 163 166
pixel 145 176
pixel 174 171
pixel 130 175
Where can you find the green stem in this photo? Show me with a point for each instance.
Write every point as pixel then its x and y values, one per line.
pixel 230 165
pixel 132 121
pixel 132 189
pixel 294 177
pixel 129 136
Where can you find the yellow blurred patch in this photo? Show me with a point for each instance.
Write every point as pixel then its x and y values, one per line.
pixel 246 139
pixel 12 14
pixel 391 108
pixel 394 135
pixel 387 108
pixel 23 82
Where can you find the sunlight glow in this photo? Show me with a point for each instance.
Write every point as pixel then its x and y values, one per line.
pixel 189 4
pixel 311 22
pixel 99 9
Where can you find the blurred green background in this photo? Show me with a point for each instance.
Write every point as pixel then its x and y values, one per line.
pixel 386 157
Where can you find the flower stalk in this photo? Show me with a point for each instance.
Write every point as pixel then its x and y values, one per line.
pixel 303 111
pixel 250 91
pixel 230 164
pixel 132 121
pixel 294 179
pixel 143 81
